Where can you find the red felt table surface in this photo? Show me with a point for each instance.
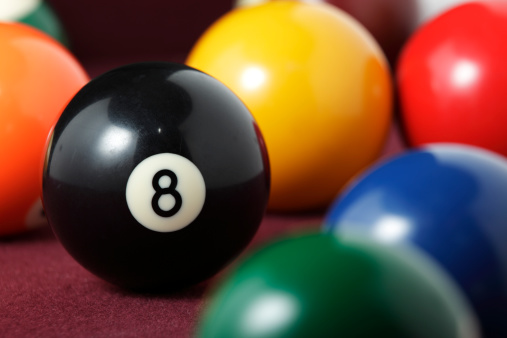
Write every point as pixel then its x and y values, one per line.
pixel 43 291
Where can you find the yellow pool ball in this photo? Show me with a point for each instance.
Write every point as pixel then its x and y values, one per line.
pixel 317 84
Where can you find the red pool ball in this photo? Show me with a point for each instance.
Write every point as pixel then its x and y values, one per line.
pixel 452 78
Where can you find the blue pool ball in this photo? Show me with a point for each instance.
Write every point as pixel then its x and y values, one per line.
pixel 451 202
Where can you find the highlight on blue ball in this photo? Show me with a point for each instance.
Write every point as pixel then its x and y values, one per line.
pixel 447 200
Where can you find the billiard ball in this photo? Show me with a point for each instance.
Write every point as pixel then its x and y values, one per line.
pixel 37 78
pixel 415 12
pixel 447 200
pixel 450 85
pixel 317 84
pixel 428 10
pixel 314 285
pixel 156 176
pixel 389 21
pixel 36 13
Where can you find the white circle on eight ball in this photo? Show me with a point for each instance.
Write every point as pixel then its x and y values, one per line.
pixel 165 192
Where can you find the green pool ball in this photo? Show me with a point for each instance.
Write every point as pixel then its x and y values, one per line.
pixel 36 13
pixel 316 286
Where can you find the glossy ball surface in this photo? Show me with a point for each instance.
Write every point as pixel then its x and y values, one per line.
pixel 317 286
pixel 36 13
pixel 37 78
pixel 428 10
pixel 449 201
pixel 156 176
pixel 389 21
pixel 317 84
pixel 450 86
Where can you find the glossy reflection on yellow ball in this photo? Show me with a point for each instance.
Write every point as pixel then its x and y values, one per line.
pixel 317 84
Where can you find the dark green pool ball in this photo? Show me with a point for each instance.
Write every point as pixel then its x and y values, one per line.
pixel 36 13
pixel 316 286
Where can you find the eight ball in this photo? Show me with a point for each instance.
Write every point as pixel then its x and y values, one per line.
pixel 156 176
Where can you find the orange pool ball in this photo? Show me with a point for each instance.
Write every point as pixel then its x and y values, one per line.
pixel 37 78
pixel 318 85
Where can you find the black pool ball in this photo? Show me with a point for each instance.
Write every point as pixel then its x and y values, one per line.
pixel 156 176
